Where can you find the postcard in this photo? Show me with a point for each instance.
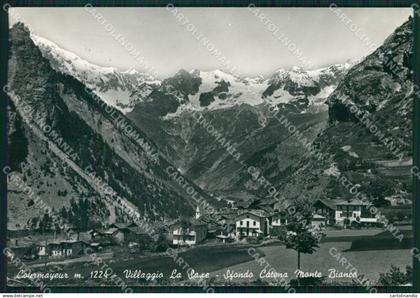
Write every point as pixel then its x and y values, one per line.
pixel 210 147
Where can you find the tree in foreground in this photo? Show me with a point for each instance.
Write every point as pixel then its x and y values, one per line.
pixel 301 235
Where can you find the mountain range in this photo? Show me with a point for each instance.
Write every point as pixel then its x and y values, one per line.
pixel 209 90
pixel 62 89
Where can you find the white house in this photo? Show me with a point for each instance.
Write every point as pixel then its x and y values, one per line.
pixel 251 223
pixel 278 225
pixel 194 233
pixel 279 219
pixel 65 248
pixel 353 210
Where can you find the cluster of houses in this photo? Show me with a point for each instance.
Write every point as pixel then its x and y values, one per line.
pixel 59 246
pixel 245 221
pixel 229 224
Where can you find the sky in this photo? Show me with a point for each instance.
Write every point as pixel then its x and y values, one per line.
pixel 167 46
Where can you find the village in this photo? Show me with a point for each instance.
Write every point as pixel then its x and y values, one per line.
pixel 236 224
pixel 243 223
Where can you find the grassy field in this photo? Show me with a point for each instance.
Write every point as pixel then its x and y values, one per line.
pixel 370 251
pixel 372 239
pixel 383 241
pixel 369 263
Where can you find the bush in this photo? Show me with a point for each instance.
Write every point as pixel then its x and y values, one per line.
pixel 280 232
pixel 161 245
pixel 355 225
pixel 395 277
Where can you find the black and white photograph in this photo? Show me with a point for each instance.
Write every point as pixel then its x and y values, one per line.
pixel 210 147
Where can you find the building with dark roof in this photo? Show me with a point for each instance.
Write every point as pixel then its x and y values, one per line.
pixel 353 211
pixel 326 208
pixel 139 236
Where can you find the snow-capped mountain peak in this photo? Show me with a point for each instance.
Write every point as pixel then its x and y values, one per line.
pixel 121 89
pixel 196 89
pixel 70 61
pixel 217 89
pixel 305 88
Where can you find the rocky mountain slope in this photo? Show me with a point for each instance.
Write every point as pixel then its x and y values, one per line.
pixel 237 110
pixel 30 159
pixel 68 130
pixel 305 88
pixel 369 132
pixel 120 89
